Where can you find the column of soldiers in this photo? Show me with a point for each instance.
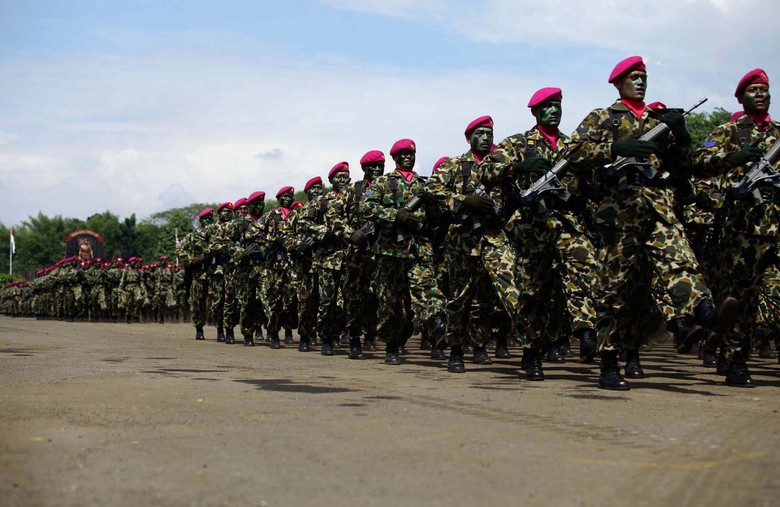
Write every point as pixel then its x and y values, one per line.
pixel 98 291
pixel 542 239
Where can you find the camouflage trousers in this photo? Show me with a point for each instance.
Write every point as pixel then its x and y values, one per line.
pixel 743 261
pixel 769 299
pixel 198 293
pixel 654 259
pixel 558 270
pixel 400 279
pixel 217 298
pixel 330 322
pixel 280 300
pixel 473 281
pixel 163 302
pixel 359 298
pixel 308 300
pixel 250 305
pixel 134 298
pixel 97 303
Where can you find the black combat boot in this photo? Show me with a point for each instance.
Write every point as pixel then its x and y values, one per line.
pixel 738 374
pixel 502 348
pixel 717 321
pixel 273 337
pixel 220 334
pixel 610 377
pixel 230 338
pixel 425 341
pixel 199 333
pixel 722 365
pixel 259 334
pixel 455 363
pixel 481 355
pixel 303 344
pixel 685 334
pixel 708 357
pixel 633 367
pixel 369 342
pixel 355 348
pixel 288 339
pixel 533 362
pixel 249 339
pixel 437 329
pixel 587 338
pixel 327 346
pixel 555 354
pixel 391 354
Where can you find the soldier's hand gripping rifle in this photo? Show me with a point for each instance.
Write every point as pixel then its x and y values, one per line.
pixel 642 164
pixel 761 174
pixel 550 183
pixel 469 214
pixel 408 219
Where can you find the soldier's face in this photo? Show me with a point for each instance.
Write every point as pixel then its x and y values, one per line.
pixel 286 199
pixel 633 86
pixel 225 215
pixel 242 210
pixel 373 170
pixel 340 180
pixel 405 160
pixel 207 220
pixel 257 207
pixel 314 191
pixel 756 98
pixel 481 140
pixel 549 113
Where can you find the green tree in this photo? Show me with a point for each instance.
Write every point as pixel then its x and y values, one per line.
pixel 190 212
pixel 178 225
pixel 107 225
pixel 40 241
pixel 701 125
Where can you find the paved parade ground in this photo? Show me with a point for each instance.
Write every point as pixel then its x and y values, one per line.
pixel 136 415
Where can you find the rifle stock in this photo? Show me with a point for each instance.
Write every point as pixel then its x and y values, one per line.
pixel 761 174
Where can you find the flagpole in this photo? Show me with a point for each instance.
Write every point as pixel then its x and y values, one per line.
pixel 11 248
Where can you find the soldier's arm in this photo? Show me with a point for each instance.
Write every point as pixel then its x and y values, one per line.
pixel 373 207
pixel 496 168
pixel 591 143
pixel 440 187
pixel 710 159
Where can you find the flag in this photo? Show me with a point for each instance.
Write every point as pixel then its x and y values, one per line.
pixel 13 243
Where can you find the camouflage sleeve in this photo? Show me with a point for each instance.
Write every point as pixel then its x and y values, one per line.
pixel 338 216
pixel 309 221
pixel 374 207
pixel 440 187
pixel 710 158
pixel 497 166
pixel 591 144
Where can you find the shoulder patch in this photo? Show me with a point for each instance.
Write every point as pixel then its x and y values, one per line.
pixel 583 128
pixel 368 192
pixel 710 144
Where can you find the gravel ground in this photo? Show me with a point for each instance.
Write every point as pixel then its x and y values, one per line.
pixel 129 415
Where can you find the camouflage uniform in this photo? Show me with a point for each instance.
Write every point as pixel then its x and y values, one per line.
pixel 556 262
pixel 134 295
pixel 192 250
pixel 404 259
pixel 748 245
pixel 301 259
pixel 479 257
pixel 280 298
pixel 359 292
pixel 642 237
pixel 249 275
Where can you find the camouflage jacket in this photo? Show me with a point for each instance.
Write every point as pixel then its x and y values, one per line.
pixel 448 187
pixel 275 230
pixel 250 232
pixel 380 204
pixel 631 206
pixel 297 229
pixel 340 219
pixel 746 215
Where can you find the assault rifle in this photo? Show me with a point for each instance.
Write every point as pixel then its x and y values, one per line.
pixel 549 183
pixel 471 217
pixel 761 174
pixel 412 205
pixel 642 165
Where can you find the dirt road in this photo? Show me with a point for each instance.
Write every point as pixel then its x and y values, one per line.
pixel 130 415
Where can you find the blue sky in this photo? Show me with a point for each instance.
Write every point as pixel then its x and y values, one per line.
pixel 140 106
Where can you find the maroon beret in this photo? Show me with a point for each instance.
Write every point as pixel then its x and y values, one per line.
pixel 296 204
pixel 341 166
pixel 228 205
pixel 402 144
pixel 255 196
pixel 205 213
pixel 284 190
pixel 372 156
pixel 627 65
pixel 311 182
pixel 482 121
pixel 544 94
pixel 752 77
pixel 240 202
pixel 439 163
